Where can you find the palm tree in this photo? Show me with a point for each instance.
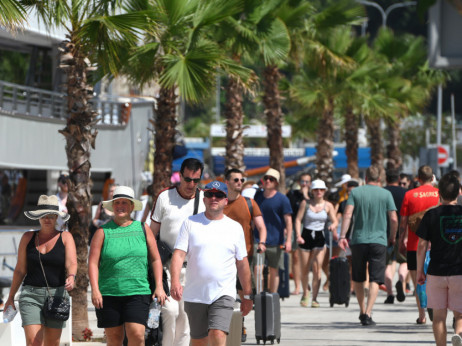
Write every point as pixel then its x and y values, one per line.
pixel 95 32
pixel 184 61
pixel 12 14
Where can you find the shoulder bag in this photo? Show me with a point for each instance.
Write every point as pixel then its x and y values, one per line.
pixel 56 308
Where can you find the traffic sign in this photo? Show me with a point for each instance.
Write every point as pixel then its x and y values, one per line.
pixel 443 155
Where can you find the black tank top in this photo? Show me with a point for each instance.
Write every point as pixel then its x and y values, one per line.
pixel 53 264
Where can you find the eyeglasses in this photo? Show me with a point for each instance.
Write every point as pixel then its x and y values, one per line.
pixel 195 180
pixel 270 178
pixel 237 180
pixel 216 194
pixel 305 182
pixel 402 183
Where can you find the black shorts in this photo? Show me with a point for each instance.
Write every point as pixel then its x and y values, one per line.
pixel 375 255
pixel 318 242
pixel 411 260
pixel 118 310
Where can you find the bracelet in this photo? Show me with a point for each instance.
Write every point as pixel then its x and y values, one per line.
pixel 71 275
pixel 262 243
pixel 341 238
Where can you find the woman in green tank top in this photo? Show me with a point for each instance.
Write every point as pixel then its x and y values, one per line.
pixel 118 266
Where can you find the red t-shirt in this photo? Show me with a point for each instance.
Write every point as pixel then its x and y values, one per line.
pixel 238 210
pixel 417 200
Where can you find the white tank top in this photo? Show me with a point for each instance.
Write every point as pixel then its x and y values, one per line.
pixel 315 221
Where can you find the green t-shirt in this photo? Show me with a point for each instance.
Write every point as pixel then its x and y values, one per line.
pixel 123 267
pixel 371 206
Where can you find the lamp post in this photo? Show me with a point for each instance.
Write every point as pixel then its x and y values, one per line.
pixel 383 12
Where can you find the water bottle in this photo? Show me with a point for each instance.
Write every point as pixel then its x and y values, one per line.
pixel 9 314
pixel 154 314
pixel 422 295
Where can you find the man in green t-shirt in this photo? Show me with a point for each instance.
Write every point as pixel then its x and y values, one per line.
pixel 369 205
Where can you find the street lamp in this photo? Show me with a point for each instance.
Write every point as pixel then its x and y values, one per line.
pixel 383 12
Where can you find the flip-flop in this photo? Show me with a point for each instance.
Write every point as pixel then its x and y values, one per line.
pixel 419 321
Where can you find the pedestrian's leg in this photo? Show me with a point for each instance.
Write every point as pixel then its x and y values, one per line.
pixel 422 318
pixel 182 332
pixel 373 292
pixel 439 326
pixel 389 275
pixel 305 270
pixel 359 290
pixel 318 257
pixel 274 279
pixel 217 337
pixel 197 342
pixel 296 270
pixel 325 269
pixel 170 311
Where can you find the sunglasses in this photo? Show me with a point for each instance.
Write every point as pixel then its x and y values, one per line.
pixel 195 180
pixel 267 177
pixel 402 184
pixel 216 194
pixel 305 181
pixel 237 180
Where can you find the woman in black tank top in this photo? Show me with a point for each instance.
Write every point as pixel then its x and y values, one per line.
pixel 56 252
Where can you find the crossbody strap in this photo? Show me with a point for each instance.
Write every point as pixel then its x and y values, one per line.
pixel 40 260
pixel 196 201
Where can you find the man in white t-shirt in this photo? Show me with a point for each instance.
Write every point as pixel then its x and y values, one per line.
pixel 172 207
pixel 214 247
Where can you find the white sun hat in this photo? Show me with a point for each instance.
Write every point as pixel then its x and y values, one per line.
pixel 318 184
pixel 123 192
pixel 46 205
pixel 345 179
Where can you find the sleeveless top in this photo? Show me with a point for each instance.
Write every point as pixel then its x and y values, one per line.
pixel 123 267
pixel 54 264
pixel 315 221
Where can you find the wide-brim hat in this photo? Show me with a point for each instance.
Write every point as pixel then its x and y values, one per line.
pixel 46 205
pixel 273 173
pixel 345 179
pixel 217 186
pixel 123 192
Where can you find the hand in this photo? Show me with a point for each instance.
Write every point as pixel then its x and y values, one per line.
pixel 246 306
pixel 176 291
pixel 403 245
pixel 160 294
pixel 70 283
pixel 421 277
pixel 300 240
pixel 97 299
pixel 261 247
pixel 288 247
pixel 343 244
pixel 8 303
pixel 391 241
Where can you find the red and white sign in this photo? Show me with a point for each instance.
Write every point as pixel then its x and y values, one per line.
pixel 443 155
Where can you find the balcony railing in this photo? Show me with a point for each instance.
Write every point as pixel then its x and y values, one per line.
pixel 17 99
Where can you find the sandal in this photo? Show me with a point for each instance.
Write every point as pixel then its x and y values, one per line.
pixel 419 321
pixel 315 304
pixel 304 301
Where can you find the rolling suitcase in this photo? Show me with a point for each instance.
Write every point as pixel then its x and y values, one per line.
pixel 339 281
pixel 267 312
pixel 284 284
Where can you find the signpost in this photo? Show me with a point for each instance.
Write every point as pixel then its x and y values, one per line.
pixel 443 155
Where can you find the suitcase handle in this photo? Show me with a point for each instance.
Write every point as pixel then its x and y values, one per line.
pixel 259 277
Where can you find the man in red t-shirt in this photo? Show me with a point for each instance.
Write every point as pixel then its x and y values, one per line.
pixel 415 201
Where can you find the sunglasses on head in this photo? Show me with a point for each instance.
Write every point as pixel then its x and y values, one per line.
pixel 216 194
pixel 270 178
pixel 195 180
pixel 237 180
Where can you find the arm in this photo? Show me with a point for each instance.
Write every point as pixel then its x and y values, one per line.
pixel 347 214
pixel 243 271
pixel 97 215
pixel 298 222
pixel 288 232
pixel 421 250
pixel 333 219
pixel 20 270
pixel 393 218
pixel 93 267
pixel 71 260
pixel 260 224
pixel 156 265
pixel 145 213
pixel 155 228
pixel 176 289
pixel 403 234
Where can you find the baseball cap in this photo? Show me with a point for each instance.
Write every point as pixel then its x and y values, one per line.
pixel 217 186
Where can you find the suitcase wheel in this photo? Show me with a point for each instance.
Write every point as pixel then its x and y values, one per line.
pixel 279 341
pixel 272 342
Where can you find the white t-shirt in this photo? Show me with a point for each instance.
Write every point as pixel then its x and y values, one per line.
pixel 212 247
pixel 171 210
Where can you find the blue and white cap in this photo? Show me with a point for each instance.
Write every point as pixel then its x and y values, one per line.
pixel 217 186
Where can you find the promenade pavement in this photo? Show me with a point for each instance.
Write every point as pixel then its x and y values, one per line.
pixel 339 325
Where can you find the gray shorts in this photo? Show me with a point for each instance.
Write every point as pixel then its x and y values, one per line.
pixel 273 255
pixel 203 317
pixel 31 302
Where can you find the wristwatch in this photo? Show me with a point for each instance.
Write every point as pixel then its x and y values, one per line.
pixel 248 296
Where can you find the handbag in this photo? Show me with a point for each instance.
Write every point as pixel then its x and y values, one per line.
pixel 56 308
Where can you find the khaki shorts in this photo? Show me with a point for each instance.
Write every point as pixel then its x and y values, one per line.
pixel 31 302
pixel 273 255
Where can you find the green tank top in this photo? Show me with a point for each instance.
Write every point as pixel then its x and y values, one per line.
pixel 123 267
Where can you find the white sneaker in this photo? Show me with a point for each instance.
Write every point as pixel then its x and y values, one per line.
pixel 456 340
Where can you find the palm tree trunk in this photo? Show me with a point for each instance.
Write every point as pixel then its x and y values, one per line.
pixel 394 155
pixel 165 126
pixel 234 131
pixel 351 139
pixel 325 144
pixel 80 139
pixel 375 140
pixel 272 102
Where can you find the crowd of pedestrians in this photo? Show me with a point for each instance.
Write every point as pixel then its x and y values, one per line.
pixel 197 253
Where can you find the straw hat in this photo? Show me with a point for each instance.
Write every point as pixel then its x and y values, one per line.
pixel 46 205
pixel 273 173
pixel 123 192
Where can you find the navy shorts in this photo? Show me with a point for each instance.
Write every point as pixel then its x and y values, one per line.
pixel 118 310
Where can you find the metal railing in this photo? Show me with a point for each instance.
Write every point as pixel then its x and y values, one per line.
pixel 17 99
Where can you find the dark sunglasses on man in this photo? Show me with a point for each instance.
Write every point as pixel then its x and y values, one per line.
pixel 270 178
pixel 216 194
pixel 237 180
pixel 195 180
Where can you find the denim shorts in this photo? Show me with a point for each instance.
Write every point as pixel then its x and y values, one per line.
pixel 31 302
